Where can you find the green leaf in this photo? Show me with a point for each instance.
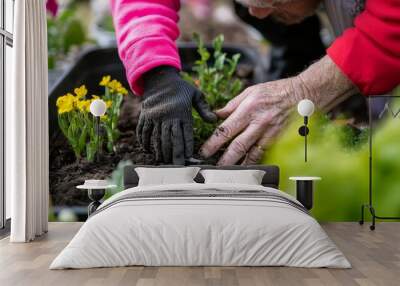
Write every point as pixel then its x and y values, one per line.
pixel 220 62
pixel 204 54
pixel 236 58
pixel 217 44
pixel 91 151
pixel 82 139
pixel 74 35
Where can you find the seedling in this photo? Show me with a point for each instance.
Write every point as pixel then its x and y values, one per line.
pixel 214 75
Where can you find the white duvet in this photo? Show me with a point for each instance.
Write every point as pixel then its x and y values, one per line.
pixel 200 231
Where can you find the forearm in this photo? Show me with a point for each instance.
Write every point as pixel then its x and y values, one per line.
pixel 323 83
pixel 146 34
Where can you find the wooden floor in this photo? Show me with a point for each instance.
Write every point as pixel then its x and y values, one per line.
pixel 375 257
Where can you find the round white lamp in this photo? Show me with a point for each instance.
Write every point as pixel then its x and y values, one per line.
pixel 98 107
pixel 305 108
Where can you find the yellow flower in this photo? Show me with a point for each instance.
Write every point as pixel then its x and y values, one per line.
pixel 60 100
pixel 65 103
pixel 114 85
pixel 83 105
pixel 95 97
pixel 88 106
pixel 122 90
pixel 105 80
pixel 104 117
pixel 81 91
pixel 109 103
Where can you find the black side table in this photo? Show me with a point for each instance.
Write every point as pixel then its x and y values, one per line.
pixel 96 190
pixel 305 190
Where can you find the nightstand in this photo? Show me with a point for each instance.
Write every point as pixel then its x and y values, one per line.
pixel 96 190
pixel 304 190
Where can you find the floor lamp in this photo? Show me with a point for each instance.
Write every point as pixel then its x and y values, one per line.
pixel 98 108
pixel 305 108
pixel 369 205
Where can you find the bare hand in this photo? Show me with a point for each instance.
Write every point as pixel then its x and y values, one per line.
pixel 253 119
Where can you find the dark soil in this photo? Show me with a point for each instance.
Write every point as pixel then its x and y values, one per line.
pixel 66 172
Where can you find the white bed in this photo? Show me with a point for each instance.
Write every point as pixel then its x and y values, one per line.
pixel 249 226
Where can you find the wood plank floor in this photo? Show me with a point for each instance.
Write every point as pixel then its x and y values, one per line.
pixel 375 257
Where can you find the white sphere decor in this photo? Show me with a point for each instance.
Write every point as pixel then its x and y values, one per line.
pixel 305 107
pixel 98 107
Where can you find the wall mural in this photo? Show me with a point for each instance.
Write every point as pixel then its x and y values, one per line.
pixel 85 68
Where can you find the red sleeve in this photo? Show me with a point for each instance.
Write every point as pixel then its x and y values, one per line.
pixel 146 31
pixel 369 53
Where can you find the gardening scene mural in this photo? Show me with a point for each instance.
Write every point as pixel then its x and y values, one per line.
pixel 103 115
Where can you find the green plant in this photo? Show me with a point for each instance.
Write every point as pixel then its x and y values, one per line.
pixel 63 32
pixel 114 92
pixel 214 75
pixel 78 125
pixel 73 120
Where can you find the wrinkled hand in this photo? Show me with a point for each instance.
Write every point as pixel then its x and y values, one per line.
pixel 253 119
pixel 165 120
pixel 256 116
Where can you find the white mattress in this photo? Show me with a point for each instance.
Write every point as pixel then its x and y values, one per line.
pixel 203 231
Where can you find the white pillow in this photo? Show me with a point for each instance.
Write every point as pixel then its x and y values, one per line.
pixel 166 176
pixel 248 177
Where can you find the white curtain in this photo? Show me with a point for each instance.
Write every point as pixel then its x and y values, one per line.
pixel 27 124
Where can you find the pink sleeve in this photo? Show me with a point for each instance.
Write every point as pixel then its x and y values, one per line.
pixel 146 31
pixel 369 53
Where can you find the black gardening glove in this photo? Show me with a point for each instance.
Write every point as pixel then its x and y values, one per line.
pixel 166 117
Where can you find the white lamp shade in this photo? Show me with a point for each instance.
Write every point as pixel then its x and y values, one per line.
pixel 305 107
pixel 98 107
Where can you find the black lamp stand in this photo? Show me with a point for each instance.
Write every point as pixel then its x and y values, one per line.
pixel 303 131
pixel 305 193
pixel 96 120
pixel 370 206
